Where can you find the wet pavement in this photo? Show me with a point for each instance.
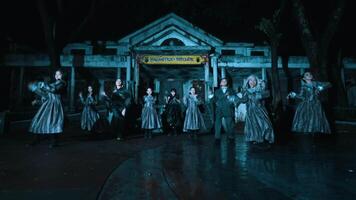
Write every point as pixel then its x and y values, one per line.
pixel 165 167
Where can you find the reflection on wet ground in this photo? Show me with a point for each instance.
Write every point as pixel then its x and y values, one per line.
pixel 299 167
pixel 305 168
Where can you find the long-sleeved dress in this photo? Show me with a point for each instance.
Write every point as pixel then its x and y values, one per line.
pixel 149 116
pixel 258 127
pixel 309 116
pixel 90 115
pixel 120 100
pixel 174 112
pixel 193 118
pixel 49 118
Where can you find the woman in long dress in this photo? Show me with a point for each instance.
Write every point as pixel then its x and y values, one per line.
pixel 90 115
pixel 49 118
pixel 150 118
pixel 310 117
pixel 258 127
pixel 117 104
pixel 193 121
pixel 173 112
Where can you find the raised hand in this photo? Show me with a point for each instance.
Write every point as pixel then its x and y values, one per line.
pixel 291 95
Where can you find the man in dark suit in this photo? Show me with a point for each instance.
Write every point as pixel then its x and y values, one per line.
pixel 224 110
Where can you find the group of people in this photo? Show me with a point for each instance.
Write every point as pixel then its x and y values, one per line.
pixel 309 116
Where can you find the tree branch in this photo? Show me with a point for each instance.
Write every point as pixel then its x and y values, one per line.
pixel 77 31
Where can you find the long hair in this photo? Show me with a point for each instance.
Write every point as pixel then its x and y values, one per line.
pixel 176 94
pixel 260 84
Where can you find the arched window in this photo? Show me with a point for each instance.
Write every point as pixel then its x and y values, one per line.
pixel 172 42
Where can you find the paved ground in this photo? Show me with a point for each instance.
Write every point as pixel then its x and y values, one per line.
pixel 179 168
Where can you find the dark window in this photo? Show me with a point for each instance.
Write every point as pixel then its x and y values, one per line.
pixel 228 52
pixel 77 51
pixel 109 52
pixel 172 42
pixel 257 53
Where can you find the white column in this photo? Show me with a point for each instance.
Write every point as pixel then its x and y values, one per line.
pixel 118 74
pixel 136 79
pixel 223 72
pixel 72 88
pixel 214 63
pixel 264 74
pixel 157 85
pixel 101 86
pixel 128 74
pixel 302 70
pixel 206 79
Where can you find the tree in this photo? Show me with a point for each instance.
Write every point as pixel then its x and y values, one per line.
pixel 270 28
pixel 317 48
pixel 49 29
pixel 50 19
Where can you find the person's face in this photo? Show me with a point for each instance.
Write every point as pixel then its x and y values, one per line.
pixel 149 91
pixel 252 82
pixel 58 75
pixel 223 83
pixel 192 91
pixel 118 83
pixel 90 89
pixel 173 93
pixel 308 76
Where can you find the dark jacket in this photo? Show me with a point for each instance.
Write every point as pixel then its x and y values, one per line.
pixel 223 106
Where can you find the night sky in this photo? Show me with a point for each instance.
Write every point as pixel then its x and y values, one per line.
pixel 229 20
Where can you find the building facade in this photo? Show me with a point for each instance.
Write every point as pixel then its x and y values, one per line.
pixel 167 53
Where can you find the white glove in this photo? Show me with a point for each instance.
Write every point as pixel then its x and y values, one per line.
pixel 41 84
pixel 320 88
pixel 291 95
pixel 123 112
pixel 239 95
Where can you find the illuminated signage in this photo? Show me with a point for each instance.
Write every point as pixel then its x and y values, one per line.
pixel 173 59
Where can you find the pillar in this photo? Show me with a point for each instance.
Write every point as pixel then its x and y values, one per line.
pixel 128 75
pixel 72 88
pixel 118 74
pixel 157 85
pixel 206 81
pixel 101 86
pixel 214 63
pixel 136 79
pixel 264 73
pixel 223 72
pixel 302 70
